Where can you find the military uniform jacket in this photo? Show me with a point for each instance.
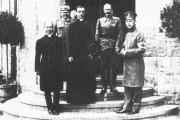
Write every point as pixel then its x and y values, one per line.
pixel 109 32
pixel 134 67
pixel 62 27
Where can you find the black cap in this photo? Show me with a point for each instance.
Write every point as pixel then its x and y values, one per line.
pixel 92 47
pixel 130 14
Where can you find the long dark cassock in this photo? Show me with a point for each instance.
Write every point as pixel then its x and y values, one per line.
pixel 49 62
pixel 81 88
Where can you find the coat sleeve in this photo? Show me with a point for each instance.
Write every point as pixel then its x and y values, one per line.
pixel 37 57
pixel 91 37
pixel 119 42
pixel 141 47
pixel 55 28
pixel 71 41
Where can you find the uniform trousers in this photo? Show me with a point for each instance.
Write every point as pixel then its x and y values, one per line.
pixel 108 67
pixel 52 103
pixel 133 97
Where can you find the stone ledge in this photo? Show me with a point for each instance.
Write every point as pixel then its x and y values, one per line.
pixel 26 113
pixel 38 102
pixel 109 96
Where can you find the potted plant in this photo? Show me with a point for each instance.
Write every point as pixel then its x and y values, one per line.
pixel 11 34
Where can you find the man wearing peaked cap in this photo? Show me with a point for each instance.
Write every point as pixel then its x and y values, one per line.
pixel 134 67
pixel 61 30
pixel 109 35
pixel 130 14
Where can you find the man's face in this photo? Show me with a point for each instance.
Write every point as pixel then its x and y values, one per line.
pixel 65 14
pixel 80 13
pixel 73 14
pixel 130 22
pixel 49 28
pixel 107 10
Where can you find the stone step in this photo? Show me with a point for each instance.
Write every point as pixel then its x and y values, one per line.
pixel 20 111
pixel 107 97
pixel 38 102
pixel 164 117
pixel 118 81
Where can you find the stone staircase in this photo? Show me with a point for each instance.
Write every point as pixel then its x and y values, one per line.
pixel 31 106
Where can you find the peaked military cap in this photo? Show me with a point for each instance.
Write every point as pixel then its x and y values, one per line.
pixel 93 48
pixel 130 14
pixel 65 7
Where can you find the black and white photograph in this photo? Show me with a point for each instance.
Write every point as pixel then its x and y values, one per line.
pixel 89 59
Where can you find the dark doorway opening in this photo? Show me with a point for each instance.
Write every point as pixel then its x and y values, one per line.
pixel 94 10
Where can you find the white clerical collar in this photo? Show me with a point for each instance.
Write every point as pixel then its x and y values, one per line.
pixel 81 20
pixel 50 35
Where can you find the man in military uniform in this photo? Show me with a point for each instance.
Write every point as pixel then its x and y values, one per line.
pixel 109 35
pixel 61 31
pixel 134 67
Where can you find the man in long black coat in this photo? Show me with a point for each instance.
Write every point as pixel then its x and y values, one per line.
pixel 81 88
pixel 49 65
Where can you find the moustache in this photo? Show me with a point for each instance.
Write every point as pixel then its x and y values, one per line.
pixel 108 12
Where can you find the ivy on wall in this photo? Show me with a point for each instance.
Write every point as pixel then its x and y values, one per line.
pixel 170 17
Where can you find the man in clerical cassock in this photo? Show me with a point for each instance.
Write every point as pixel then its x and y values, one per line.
pixel 81 88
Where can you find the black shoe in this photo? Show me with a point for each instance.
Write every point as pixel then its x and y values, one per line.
pixel 111 89
pixel 56 112
pixel 123 111
pixel 50 111
pixel 103 91
pixel 56 109
pixel 114 90
pixel 133 112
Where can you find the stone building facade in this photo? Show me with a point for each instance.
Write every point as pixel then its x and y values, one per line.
pixel 162 58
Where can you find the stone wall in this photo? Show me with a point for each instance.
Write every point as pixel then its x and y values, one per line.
pixel 162 58
pixel 162 61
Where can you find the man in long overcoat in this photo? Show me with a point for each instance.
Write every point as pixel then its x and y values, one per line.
pixel 81 89
pixel 134 68
pixel 109 35
pixel 49 65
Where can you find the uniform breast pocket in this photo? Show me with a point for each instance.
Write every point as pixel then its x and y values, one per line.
pixel 113 25
pixel 60 30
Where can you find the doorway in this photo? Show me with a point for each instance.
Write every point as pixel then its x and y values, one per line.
pixel 94 10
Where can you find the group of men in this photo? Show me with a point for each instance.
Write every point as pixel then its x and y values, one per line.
pixel 67 52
